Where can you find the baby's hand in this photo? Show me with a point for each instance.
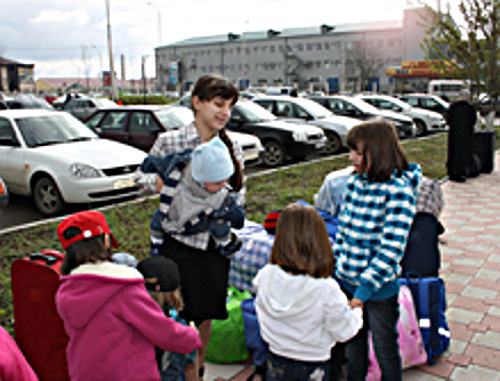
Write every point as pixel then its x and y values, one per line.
pixel 159 184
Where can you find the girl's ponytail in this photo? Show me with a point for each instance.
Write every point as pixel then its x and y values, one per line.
pixel 236 180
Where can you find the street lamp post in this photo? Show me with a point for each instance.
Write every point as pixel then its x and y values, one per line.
pixel 110 49
pixel 143 70
pixel 158 20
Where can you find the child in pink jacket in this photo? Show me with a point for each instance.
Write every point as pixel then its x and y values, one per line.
pixel 111 320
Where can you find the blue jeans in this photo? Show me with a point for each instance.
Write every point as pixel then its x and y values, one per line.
pixel 380 318
pixel 284 369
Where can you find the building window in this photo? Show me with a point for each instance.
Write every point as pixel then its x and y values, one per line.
pixel 319 46
pixel 309 47
pixel 300 47
pixel 272 49
pixel 326 46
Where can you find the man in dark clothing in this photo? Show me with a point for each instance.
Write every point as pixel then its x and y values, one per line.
pixel 461 117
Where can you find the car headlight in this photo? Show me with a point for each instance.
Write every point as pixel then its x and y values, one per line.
pixel 300 136
pixel 83 171
pixel 438 119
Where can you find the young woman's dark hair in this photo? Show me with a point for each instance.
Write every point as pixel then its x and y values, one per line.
pixel 381 149
pixel 85 251
pixel 207 88
pixel 301 244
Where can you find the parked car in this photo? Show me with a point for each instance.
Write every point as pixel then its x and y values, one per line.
pixel 27 101
pixel 426 101
pixel 56 159
pixel 82 107
pixel 425 120
pixel 4 195
pixel 302 110
pixel 139 126
pixel 281 140
pixel 359 109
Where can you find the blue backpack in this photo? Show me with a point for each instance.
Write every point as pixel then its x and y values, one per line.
pixel 430 304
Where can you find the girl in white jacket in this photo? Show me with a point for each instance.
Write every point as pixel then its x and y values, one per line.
pixel 301 309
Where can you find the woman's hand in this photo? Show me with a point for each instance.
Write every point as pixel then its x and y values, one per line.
pixel 159 184
pixel 355 302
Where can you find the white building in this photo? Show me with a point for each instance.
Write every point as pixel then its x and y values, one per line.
pixel 332 58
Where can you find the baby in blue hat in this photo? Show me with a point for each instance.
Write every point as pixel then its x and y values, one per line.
pixel 195 203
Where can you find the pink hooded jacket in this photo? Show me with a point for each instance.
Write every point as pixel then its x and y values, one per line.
pixel 113 325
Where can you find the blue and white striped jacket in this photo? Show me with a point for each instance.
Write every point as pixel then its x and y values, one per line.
pixel 374 221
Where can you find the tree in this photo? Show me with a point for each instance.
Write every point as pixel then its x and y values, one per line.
pixel 476 57
pixel 363 62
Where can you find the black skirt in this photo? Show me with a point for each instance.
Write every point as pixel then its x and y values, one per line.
pixel 204 279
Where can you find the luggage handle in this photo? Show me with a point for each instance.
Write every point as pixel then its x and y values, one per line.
pixel 49 260
pixel 412 276
pixel 52 253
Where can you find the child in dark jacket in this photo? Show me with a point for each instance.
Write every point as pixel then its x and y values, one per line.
pixel 163 283
pixel 194 201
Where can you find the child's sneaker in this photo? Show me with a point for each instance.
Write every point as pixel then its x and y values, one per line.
pixel 232 247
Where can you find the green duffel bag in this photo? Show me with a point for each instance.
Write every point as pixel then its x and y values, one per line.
pixel 227 341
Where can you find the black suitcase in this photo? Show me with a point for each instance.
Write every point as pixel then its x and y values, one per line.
pixel 484 148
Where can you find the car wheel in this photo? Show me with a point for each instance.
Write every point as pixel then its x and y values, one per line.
pixel 47 197
pixel 333 143
pixel 274 154
pixel 420 128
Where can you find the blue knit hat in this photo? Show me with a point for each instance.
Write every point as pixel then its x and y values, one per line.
pixel 212 162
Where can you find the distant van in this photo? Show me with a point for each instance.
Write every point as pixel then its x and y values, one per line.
pixel 448 89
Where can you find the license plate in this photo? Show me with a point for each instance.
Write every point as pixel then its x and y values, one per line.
pixel 125 183
pixel 251 156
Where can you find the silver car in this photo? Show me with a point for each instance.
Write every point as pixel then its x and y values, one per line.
pixel 83 107
pixel 425 120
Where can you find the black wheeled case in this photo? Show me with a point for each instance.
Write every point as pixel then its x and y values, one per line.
pixel 484 148
pixel 38 328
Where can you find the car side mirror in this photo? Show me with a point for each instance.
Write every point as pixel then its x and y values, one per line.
pixel 9 141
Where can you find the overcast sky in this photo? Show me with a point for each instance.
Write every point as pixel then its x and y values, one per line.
pixel 67 38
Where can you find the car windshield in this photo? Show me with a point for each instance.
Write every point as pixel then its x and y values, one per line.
pixel 175 117
pixel 52 129
pixel 397 102
pixel 314 108
pixel 253 112
pixel 363 106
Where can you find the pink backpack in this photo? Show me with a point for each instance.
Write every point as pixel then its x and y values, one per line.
pixel 411 345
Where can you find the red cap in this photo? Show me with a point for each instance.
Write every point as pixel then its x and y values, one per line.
pixel 90 222
pixel 271 221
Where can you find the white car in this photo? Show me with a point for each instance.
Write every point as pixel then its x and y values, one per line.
pixel 302 110
pixel 251 146
pixel 425 120
pixel 54 158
